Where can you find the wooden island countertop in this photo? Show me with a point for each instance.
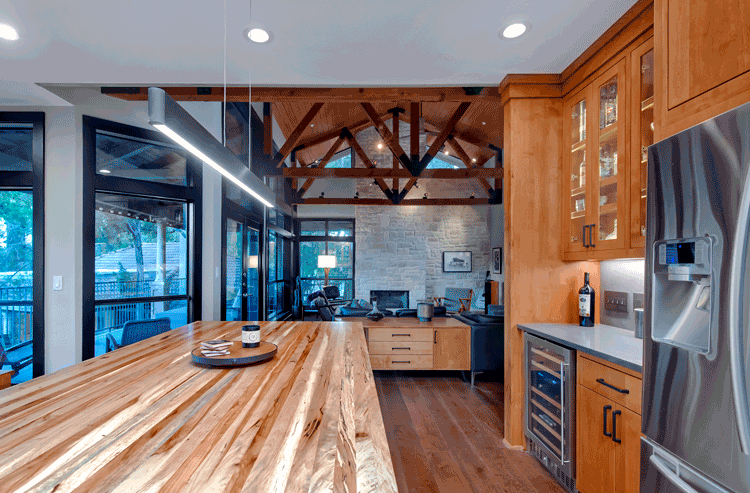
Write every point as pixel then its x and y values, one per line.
pixel 146 418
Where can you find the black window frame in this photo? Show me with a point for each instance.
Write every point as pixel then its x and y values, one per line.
pixel 32 180
pixel 93 182
pixel 288 242
pixel 326 238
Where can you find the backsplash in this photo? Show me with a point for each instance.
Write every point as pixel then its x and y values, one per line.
pixel 623 276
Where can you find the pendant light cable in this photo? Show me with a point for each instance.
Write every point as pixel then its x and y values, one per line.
pixel 224 108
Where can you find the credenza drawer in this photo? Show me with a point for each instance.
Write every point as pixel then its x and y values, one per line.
pixel 406 347
pixel 401 362
pixel 382 334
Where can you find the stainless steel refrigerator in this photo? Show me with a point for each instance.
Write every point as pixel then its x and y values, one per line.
pixel 696 417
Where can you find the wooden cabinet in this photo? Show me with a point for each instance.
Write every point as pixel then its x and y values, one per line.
pixel 452 349
pixel 596 205
pixel 5 378
pixel 608 425
pixel 703 55
pixel 408 344
pixel 642 136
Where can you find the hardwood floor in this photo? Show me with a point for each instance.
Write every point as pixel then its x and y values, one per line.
pixel 446 436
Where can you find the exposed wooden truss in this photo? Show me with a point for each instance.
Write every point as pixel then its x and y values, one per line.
pixel 373 172
pixel 336 201
pixel 310 94
pixel 295 135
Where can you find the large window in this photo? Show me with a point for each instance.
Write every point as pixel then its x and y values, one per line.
pixel 327 237
pixel 22 244
pixel 141 218
pixel 279 280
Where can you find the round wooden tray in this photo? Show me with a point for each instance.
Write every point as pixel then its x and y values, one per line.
pixel 238 355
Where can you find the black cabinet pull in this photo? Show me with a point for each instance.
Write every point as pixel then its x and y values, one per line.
pixel 434 336
pixel 585 227
pixel 591 235
pixel 604 421
pixel 400 335
pixel 614 426
pixel 622 391
pixel 404 362
pixel 401 348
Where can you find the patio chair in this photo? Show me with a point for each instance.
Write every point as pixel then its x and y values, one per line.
pixel 6 361
pixel 138 330
pixel 456 300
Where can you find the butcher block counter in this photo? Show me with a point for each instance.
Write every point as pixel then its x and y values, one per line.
pixel 146 418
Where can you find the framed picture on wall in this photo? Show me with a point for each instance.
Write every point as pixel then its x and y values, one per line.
pixel 456 261
pixel 497 260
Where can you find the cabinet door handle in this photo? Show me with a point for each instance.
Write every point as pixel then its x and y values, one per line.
pixel 585 227
pixel 434 336
pixel 614 426
pixel 400 335
pixel 622 391
pixel 404 362
pixel 604 421
pixel 401 348
pixel 591 235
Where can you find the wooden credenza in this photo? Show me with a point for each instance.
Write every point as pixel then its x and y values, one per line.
pixel 408 344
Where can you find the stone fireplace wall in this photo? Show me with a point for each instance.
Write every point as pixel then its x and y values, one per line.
pixel 402 248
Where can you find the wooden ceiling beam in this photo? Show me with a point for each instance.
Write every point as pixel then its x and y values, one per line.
pixel 414 131
pixel 467 137
pixel 440 139
pixel 373 172
pixel 363 201
pixel 387 136
pixel 366 160
pixel 355 128
pixel 310 94
pixel 453 143
pixel 296 133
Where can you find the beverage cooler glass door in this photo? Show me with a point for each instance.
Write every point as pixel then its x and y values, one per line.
pixel 697 314
pixel 549 399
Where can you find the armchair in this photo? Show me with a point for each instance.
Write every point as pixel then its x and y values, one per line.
pixel 456 300
pixel 138 330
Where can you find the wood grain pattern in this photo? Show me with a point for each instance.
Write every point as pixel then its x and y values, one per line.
pixel 145 418
pixel 533 245
pixel 452 349
pixel 682 104
pixel 446 436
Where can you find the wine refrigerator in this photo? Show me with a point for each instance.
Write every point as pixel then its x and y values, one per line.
pixel 550 406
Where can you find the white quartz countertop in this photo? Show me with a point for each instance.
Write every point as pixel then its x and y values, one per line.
pixel 612 344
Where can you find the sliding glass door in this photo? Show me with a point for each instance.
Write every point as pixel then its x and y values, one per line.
pixel 241 263
pixel 22 244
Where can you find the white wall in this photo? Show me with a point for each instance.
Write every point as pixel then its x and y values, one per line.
pixel 64 108
pixel 625 276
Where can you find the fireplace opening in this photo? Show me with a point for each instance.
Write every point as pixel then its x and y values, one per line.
pixel 390 298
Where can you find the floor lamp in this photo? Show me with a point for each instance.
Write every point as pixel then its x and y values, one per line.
pixel 326 262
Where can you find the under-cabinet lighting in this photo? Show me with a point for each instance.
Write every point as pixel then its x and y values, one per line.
pixel 173 121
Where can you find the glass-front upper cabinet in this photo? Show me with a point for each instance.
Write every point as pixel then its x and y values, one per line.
pixel 576 176
pixel 642 128
pixel 607 164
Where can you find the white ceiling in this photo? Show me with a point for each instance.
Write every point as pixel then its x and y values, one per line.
pixel 316 43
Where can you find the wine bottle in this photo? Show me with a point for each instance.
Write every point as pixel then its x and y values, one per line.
pixel 586 303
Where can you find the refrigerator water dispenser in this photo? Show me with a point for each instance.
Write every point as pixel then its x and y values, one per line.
pixel 682 293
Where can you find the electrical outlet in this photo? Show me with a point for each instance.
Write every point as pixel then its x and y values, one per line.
pixel 616 301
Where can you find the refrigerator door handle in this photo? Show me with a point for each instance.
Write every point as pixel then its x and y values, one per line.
pixel 738 370
pixel 660 464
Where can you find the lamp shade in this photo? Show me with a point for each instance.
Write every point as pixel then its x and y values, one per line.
pixel 252 261
pixel 326 261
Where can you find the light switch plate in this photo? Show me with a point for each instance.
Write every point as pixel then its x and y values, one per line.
pixel 57 283
pixel 637 300
pixel 616 301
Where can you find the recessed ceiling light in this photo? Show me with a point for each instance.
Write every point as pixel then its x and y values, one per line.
pixel 105 171
pixel 380 146
pixel 446 152
pixel 312 125
pixel 473 160
pixel 484 123
pixel 258 34
pixel 515 29
pixel 8 32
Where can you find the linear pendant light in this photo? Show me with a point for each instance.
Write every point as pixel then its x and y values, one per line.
pixel 173 121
